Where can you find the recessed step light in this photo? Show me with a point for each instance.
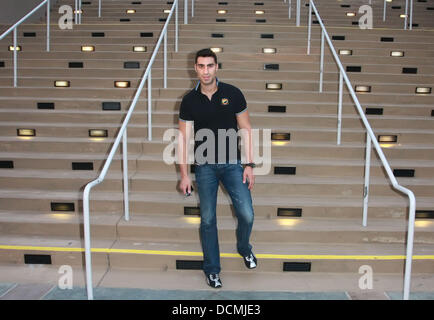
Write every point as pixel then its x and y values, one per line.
pixel 222 11
pixel 146 34
pixel 166 11
pixel 2 64
pixel 409 173
pixel 130 11
pixel 403 16
pixel 269 50
pixel 387 39
pixel 162 19
pixel 387 139
pixel 45 105
pixel 271 66
pixel 424 214
pixel 78 11
pixel 189 265
pixel 259 3
pixel 124 20
pixel 277 109
pixel 140 49
pixel 75 64
pixel 350 14
pixel 220 20
pixel 29 34
pixel 82 166
pixel 62 206
pixel 341 38
pixel 423 90
pixel 297 266
pixel 217 50
pixel 285 170
pixel 273 86
pixel 354 69
pixel 122 84
pixel 396 7
pixel 289 212
pixel 345 6
pixel 6 164
pixel 345 52
pixel 217 35
pixel 37 259
pixel 259 12
pixel 98 133
pixel 131 65
pixel 409 70
pixel 62 84
pixel 111 105
pixel 267 36
pixel 87 48
pixel 363 88
pixel 279 136
pixel 18 48
pixel 192 211
pixel 374 111
pixel 261 21
pixel 223 3
pixel 136 2
pixel 396 53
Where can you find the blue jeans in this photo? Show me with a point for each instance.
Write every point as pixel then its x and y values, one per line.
pixel 207 180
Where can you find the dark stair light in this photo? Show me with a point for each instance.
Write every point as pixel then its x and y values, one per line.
pixel 124 20
pixel 338 38
pixel 386 39
pixel 62 206
pixel 220 20
pixel 98 34
pixel 261 20
pixel 267 36
pixel 404 173
pixel 354 69
pixel 75 64
pixel 37 259
pixel 271 66
pixel 189 264
pixel 131 65
pixel 111 105
pixel 297 266
pixel 374 111
pixel 277 109
pixel 192 211
pixel 289 212
pixel 217 35
pixel 424 214
pixel 409 70
pixel 146 34
pixel 45 105
pixel 285 170
pixel 29 34
pixel 6 164
pixel 82 166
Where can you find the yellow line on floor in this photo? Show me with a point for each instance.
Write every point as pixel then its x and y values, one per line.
pixel 226 255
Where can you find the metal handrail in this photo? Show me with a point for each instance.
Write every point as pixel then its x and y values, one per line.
pixel 410 25
pixel 123 135
pixel 15 27
pixel 370 138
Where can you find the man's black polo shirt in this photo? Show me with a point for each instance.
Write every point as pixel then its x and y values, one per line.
pixel 219 113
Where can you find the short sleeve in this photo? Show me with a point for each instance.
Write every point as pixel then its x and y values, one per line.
pixel 185 112
pixel 240 104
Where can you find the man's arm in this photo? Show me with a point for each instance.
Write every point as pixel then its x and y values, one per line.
pixel 243 121
pixel 183 139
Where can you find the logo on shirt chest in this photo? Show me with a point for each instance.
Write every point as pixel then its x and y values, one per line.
pixel 225 102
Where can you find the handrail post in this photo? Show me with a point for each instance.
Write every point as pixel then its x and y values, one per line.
pixel 367 178
pixel 48 25
pixel 340 108
pixel 406 14
pixel 165 60
pixel 185 11
pixel 298 14
pixel 176 26
pixel 411 15
pixel 289 9
pixel 309 29
pixel 125 174
pixel 15 57
pixel 87 247
pixel 150 104
pixel 321 67
pixel 76 12
pixel 409 253
pixel 384 10
pixel 99 8
pixel 192 8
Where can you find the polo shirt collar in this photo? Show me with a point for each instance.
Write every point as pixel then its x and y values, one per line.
pixel 198 84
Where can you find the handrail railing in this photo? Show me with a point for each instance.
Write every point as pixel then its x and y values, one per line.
pixel 123 135
pixel 410 25
pixel 370 138
pixel 14 29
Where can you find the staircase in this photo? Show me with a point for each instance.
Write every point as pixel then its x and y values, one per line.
pixel 318 246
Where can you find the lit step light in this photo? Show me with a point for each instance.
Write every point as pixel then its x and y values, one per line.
pixel 78 11
pixel 388 0
pixel 131 11
pixel 166 11
pixel 259 12
pixel 191 211
pixel 62 206
pixel 387 139
pixel 61 84
pixel 26 132
pixel 423 90
pixel 351 14
pixel 289 212
pixel 12 48
pixel 98 133
pixel 402 15
pixel 87 48
pixel 424 214
pixel 122 84
pixel 269 50
pixel 139 49
pixel 363 89
pixel 217 50
pixel 397 53
pixel 222 11
pixel 277 136
pixel 273 86
pixel 345 52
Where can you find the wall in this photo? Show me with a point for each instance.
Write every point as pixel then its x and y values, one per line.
pixel 13 10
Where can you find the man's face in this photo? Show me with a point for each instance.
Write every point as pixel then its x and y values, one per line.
pixel 206 69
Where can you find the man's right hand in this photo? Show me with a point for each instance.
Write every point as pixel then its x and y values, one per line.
pixel 185 185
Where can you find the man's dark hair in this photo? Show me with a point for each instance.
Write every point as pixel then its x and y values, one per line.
pixel 206 53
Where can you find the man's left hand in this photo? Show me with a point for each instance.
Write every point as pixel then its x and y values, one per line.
pixel 249 176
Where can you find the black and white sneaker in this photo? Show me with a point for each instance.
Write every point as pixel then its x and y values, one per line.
pixel 250 261
pixel 213 280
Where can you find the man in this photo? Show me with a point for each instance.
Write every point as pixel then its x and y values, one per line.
pixel 216 107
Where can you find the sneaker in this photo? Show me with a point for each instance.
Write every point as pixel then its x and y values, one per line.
pixel 250 261
pixel 213 280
